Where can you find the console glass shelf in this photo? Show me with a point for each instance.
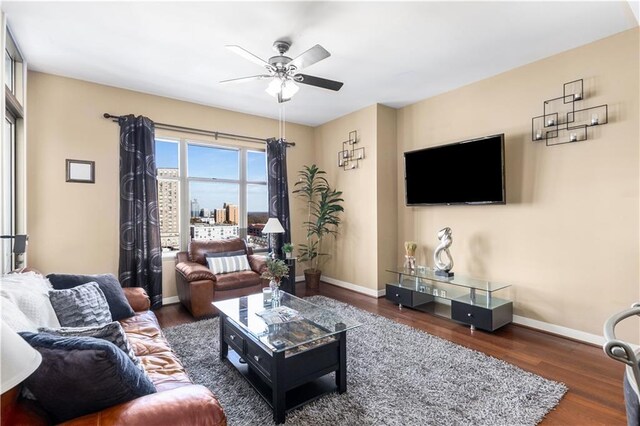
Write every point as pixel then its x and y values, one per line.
pixel 422 289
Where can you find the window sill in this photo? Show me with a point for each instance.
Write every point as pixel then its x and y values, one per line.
pixel 167 255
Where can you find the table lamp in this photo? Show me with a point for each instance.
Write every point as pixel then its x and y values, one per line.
pixel 19 360
pixel 273 226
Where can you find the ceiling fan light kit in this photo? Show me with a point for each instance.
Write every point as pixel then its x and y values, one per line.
pixel 284 72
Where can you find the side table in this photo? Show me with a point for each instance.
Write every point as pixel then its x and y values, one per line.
pixel 289 284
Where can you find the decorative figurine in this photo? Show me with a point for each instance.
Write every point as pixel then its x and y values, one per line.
pixel 442 268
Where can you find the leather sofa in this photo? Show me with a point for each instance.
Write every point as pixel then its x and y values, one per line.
pixel 177 401
pixel 198 286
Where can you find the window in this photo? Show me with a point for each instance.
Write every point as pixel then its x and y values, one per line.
pixel 9 71
pixel 8 191
pixel 167 163
pixel 226 193
pixel 12 148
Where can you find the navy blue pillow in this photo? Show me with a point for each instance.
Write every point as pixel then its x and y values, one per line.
pixel 82 375
pixel 225 253
pixel 108 283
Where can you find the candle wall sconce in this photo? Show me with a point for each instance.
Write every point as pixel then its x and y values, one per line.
pixel 350 156
pixel 562 121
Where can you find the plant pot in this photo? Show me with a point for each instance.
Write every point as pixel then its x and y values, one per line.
pixel 312 278
pixel 288 255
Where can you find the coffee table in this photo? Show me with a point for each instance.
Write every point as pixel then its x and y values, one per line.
pixel 289 363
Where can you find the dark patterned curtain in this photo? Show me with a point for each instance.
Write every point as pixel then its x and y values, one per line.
pixel 140 248
pixel 278 190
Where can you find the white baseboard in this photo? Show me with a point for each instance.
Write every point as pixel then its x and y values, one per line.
pixel 517 319
pixel 170 300
pixel 353 287
pixel 299 278
pixel 560 330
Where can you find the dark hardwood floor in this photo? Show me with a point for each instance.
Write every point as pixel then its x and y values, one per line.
pixel 594 380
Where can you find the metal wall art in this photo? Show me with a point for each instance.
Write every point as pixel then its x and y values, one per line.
pixel 350 156
pixel 563 121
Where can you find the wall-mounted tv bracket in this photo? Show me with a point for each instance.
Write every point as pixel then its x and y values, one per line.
pixel 562 121
pixel 350 156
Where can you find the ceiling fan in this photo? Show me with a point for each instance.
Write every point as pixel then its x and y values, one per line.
pixel 284 72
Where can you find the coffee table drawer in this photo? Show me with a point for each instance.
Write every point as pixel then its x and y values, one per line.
pixel 258 358
pixel 233 337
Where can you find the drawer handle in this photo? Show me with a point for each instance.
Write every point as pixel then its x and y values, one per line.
pixel 469 315
pixel 257 358
pixel 232 337
pixel 397 295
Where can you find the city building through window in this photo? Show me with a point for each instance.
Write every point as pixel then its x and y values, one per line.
pixel 210 192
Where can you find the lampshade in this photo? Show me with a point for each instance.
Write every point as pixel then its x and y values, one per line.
pixel 289 88
pixel 274 87
pixel 286 88
pixel 18 361
pixel 273 226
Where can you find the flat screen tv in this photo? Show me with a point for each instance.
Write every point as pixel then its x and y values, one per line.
pixel 467 172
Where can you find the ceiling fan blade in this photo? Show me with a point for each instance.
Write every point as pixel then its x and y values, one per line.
pixel 243 79
pixel 310 57
pixel 248 56
pixel 318 82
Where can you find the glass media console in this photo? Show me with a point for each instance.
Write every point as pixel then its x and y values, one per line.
pixel 454 297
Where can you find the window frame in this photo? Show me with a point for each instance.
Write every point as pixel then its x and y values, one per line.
pixel 185 179
pixel 180 193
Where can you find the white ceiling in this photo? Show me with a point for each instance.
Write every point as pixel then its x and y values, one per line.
pixel 394 53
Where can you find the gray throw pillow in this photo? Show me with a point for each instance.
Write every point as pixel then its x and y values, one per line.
pixel 112 332
pixel 81 306
pixel 108 283
pixel 225 253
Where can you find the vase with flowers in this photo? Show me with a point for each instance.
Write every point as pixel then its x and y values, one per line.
pixel 276 270
pixel 410 254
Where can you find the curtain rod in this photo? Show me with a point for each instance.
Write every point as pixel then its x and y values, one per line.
pixel 203 132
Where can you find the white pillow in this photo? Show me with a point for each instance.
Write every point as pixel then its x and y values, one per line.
pixel 14 318
pixel 29 292
pixel 224 265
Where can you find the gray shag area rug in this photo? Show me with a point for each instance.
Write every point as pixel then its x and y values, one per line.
pixel 396 375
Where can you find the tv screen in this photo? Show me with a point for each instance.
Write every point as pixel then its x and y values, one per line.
pixel 468 172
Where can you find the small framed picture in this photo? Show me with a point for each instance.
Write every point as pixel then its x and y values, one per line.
pixel 80 171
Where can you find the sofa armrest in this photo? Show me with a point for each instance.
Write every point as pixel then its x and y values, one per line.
pixel 193 271
pixel 182 256
pixel 258 263
pixel 137 298
pixel 185 405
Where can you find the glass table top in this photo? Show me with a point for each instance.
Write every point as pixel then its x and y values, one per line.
pixel 461 281
pixel 306 322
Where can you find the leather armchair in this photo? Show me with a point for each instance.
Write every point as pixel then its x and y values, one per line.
pixel 198 286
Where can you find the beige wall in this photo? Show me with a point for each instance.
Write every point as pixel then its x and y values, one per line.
pixel 386 186
pixel 353 256
pixel 366 243
pixel 74 227
pixel 567 239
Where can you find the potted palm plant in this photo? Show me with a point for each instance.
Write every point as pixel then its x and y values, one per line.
pixel 323 217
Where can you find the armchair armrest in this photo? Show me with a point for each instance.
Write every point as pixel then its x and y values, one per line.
pixel 137 298
pixel 618 349
pixel 258 263
pixel 193 271
pixel 185 405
